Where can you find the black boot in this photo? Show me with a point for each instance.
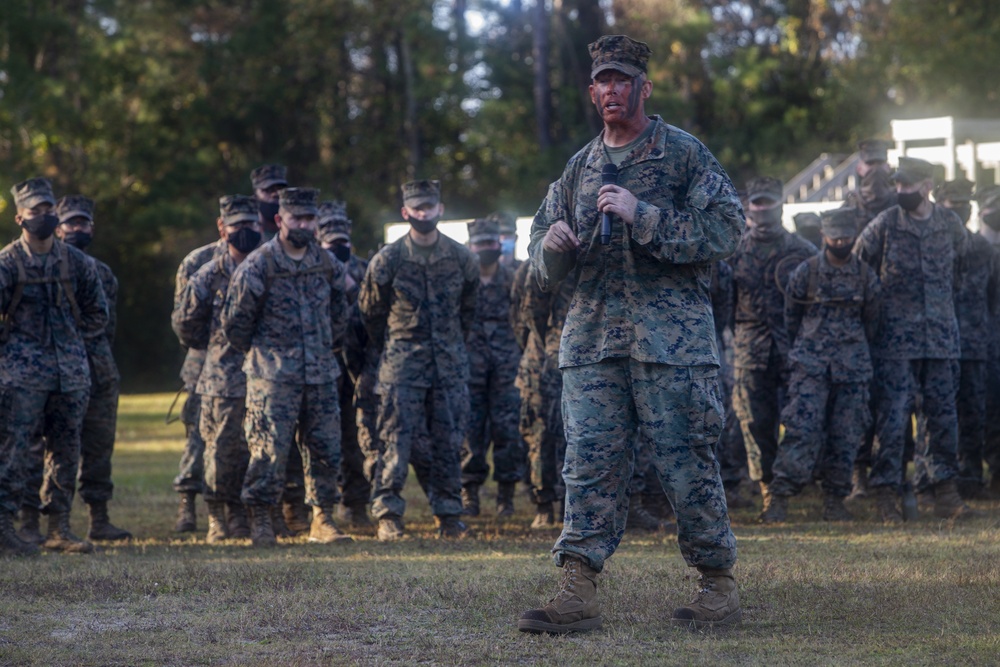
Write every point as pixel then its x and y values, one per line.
pixel 505 499
pixel 101 527
pixel 30 531
pixel 60 538
pixel 186 519
pixel 10 543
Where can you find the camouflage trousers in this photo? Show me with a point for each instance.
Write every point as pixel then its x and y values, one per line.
pixel 354 486
pixel 926 387
pixel 970 406
pixel 991 439
pixel 274 409
pixel 97 444
pixel 824 423
pixel 58 417
pixel 541 427
pixel 494 410
pixel 758 395
pixel 675 411
pixel 191 477
pixel 422 427
pixel 226 452
pixel 730 452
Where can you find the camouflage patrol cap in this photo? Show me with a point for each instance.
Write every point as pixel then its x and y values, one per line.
pixel 913 170
pixel 874 150
pixel 234 209
pixel 988 198
pixel 483 230
pixel 764 187
pixel 333 221
pixel 267 175
pixel 299 201
pixel 506 222
pixel 958 190
pixel 838 223
pixel 420 192
pixel 806 221
pixel 619 52
pixel 32 192
pixel 75 206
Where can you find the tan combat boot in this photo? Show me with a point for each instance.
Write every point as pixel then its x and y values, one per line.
pixel 717 602
pixel 834 510
pixel 470 500
pixel 186 518
pixel 261 530
pixel 101 527
pixel 545 518
pixel 775 508
pixel 296 514
pixel 390 529
pixel 237 522
pixel 323 530
pixel 218 530
pixel 948 504
pixel 573 609
pixel 887 502
pixel 10 543
pixel 30 530
pixel 60 538
pixel 859 482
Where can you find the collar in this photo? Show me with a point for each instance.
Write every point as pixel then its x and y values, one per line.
pixel 654 148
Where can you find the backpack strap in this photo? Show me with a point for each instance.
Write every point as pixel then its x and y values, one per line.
pixel 813 285
pixel 67 284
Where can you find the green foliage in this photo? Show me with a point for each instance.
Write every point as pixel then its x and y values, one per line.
pixel 157 108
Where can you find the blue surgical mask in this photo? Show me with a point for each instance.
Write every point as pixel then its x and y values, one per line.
pixel 507 246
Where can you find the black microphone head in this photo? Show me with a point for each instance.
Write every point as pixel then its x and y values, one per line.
pixel 609 174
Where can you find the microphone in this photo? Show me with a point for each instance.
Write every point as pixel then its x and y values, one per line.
pixel 609 176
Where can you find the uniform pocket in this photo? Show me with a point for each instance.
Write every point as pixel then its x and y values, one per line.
pixel 705 412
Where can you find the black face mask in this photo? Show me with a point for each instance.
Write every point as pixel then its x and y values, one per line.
pixel 424 226
pixel 42 226
pixel 341 251
pixel 267 212
pixel 244 239
pixel 489 257
pixel 840 252
pixel 963 211
pixel 991 220
pixel 876 186
pixel 78 239
pixel 910 201
pixel 300 238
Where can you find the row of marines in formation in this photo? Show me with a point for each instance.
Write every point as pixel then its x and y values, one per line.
pixel 281 353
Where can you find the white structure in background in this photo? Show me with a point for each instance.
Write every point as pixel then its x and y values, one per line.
pixel 969 148
pixel 459 231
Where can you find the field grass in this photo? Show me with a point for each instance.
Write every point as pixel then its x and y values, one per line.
pixel 924 594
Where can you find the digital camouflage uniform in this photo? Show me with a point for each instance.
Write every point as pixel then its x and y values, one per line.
pixel 977 306
pixel 638 349
pixel 989 203
pixel 419 309
pixel 191 477
pixel 830 314
pixel 44 367
pixel 917 349
pixel 760 341
pixel 288 316
pixel 97 435
pixel 538 318
pixel 355 488
pixel 222 385
pixel 494 355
